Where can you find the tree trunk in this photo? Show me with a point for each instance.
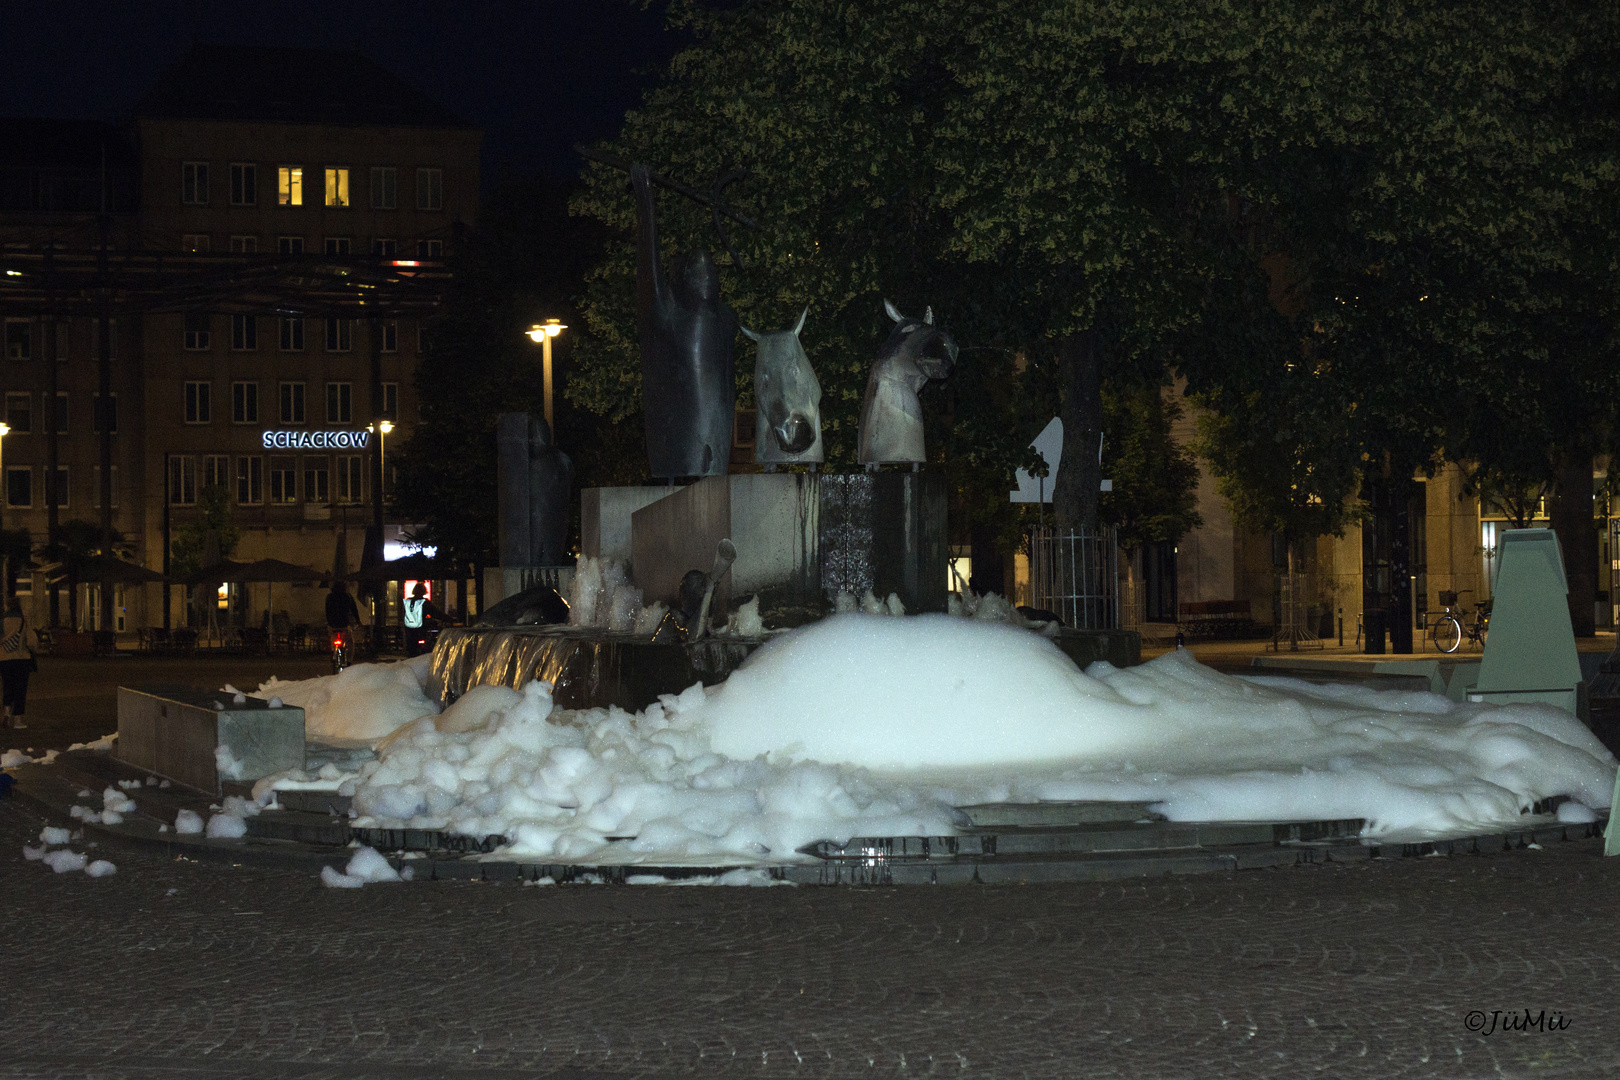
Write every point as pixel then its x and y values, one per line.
pixel 989 573
pixel 1570 509
pixel 1079 475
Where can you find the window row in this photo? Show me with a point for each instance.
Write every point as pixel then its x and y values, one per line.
pixel 382 247
pixel 290 398
pixel 21 409
pixel 197 334
pixel 335 185
pixel 26 341
pixel 274 480
pixel 21 487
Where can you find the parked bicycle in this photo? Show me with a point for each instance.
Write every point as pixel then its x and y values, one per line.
pixel 1449 630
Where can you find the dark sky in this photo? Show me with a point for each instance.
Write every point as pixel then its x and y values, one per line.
pixel 537 75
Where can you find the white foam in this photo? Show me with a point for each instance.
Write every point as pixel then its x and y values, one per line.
pixel 64 861
pixel 360 704
pixel 226 827
pixel 100 868
pixel 188 823
pixel 51 835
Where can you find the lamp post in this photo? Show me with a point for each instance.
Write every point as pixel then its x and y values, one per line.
pixel 542 333
pixel 383 428
pixel 5 497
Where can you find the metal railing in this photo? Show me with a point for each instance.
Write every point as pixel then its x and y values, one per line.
pixel 1074 573
pixel 1293 614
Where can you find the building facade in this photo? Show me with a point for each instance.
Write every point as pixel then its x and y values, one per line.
pixel 300 154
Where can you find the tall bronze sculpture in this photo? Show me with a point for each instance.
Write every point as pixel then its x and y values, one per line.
pixel 788 398
pixel 891 416
pixel 688 372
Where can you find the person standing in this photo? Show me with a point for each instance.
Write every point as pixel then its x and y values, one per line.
pixel 17 644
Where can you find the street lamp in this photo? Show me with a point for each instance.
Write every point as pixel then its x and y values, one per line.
pixel 542 333
pixel 382 427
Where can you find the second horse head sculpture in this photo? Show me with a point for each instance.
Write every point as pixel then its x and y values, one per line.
pixel 891 415
pixel 788 397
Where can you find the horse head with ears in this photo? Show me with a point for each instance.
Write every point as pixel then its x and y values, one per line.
pixel 788 397
pixel 891 415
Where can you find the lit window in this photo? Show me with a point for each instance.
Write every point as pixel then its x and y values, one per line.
pixel 339 335
pixel 283 480
pixel 292 334
pixel 339 402
pixel 244 245
pixel 430 189
pixel 290 186
pixel 194 183
pixel 315 481
pixel 384 187
pixel 292 403
pixel 194 243
pixel 245 403
pixel 289 245
pixel 20 413
pixel 197 402
pixel 182 480
pixel 19 339
pixel 249 480
pixel 337 187
pixel 196 333
pixel 244 332
pixel 244 184
pixel 337 245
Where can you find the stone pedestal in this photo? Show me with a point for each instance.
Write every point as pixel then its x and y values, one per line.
pixel 604 518
pixel 176 732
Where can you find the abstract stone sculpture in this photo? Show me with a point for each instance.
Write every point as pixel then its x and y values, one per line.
pixel 788 397
pixel 891 415
pixel 688 374
pixel 534 480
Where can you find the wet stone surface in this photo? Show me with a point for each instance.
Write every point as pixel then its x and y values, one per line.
pixel 172 968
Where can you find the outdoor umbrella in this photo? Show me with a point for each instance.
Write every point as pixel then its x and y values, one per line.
pixel 99 568
pixel 416 567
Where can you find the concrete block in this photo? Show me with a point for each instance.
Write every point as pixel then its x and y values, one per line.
pixel 604 518
pixel 177 732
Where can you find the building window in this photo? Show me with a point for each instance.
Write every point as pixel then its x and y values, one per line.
pixel 384 187
pixel 283 480
pixel 384 248
pixel 19 339
pixel 19 486
pixel 292 334
pixel 249 481
pixel 289 245
pixel 339 335
pixel 244 245
pixel 390 400
pixel 60 490
pixel 422 341
pixel 95 491
pixel 290 186
pixel 350 471
pixel 197 335
pixel 390 335
pixel 429 249
pixel 20 413
pixel 105 412
pixel 315 481
pixel 216 471
pixel 292 403
pixel 244 332
pixel 182 480
pixel 338 245
pixel 339 402
pixel 245 403
pixel 244 184
pixel 337 187
pixel 430 189
pixel 194 183
pixel 196 243
pixel 197 403
pixel 61 412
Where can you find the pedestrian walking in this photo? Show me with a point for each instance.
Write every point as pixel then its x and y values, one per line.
pixel 17 644
pixel 419 616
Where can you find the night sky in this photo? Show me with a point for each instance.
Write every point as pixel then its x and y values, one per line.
pixel 537 75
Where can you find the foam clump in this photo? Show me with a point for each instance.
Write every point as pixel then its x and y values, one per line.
pixel 50 836
pixel 100 868
pixel 359 704
pixel 188 823
pixel 366 866
pixel 64 861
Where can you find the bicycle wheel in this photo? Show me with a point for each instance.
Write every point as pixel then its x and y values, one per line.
pixel 1448 634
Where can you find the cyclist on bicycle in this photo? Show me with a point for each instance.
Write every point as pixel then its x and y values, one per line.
pixel 342 615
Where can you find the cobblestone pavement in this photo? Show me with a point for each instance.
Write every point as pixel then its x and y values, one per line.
pixel 1363 970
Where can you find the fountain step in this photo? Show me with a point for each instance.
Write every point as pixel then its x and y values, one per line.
pixel 1002 815
pixel 314 802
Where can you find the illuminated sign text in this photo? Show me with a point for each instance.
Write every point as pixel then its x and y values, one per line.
pixel 317 440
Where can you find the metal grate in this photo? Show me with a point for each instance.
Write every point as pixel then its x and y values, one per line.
pixel 1075 574
pixel 1293 614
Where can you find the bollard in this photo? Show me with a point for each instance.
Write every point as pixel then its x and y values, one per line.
pixel 1341 627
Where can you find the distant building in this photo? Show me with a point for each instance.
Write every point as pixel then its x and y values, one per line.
pixel 245 150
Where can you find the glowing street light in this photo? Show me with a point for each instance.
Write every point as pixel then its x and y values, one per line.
pixel 541 334
pixel 382 428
